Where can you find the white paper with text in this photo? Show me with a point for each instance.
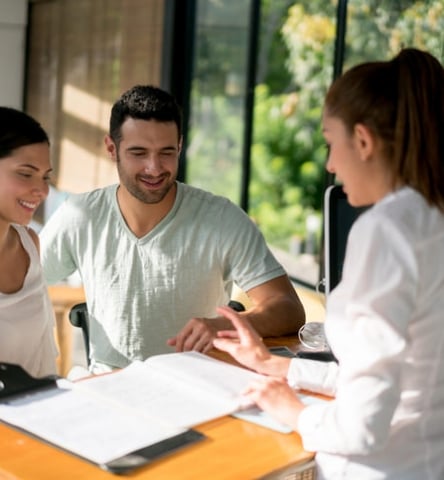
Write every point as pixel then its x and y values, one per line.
pixel 96 430
pixel 184 388
pixel 105 417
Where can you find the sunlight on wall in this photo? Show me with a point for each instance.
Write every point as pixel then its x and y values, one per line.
pixel 86 107
pixel 80 170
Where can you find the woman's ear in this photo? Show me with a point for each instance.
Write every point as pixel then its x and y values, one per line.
pixel 364 141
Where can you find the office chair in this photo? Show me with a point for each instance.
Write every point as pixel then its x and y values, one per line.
pixel 78 317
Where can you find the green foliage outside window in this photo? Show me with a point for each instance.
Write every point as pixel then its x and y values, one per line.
pixel 295 68
pixel 288 156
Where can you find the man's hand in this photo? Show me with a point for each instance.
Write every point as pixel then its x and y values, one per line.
pixel 198 334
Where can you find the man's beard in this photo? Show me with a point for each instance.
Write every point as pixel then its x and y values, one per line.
pixel 144 195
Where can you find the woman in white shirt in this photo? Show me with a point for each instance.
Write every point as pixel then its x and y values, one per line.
pixel 26 315
pixel 383 124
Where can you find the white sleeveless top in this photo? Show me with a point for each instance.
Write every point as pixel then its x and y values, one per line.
pixel 27 319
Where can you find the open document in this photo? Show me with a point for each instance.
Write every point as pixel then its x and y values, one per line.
pixel 113 420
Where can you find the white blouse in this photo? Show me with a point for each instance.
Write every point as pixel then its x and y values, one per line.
pixel 27 319
pixel 385 324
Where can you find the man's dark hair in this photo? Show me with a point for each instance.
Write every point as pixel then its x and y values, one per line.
pixel 18 129
pixel 144 102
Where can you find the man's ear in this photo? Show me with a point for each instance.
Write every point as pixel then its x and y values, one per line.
pixel 180 144
pixel 110 147
pixel 364 141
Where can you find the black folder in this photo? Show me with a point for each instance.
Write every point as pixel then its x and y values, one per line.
pixel 16 383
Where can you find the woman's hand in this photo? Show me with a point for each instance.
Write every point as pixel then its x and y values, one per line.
pixel 276 397
pixel 246 346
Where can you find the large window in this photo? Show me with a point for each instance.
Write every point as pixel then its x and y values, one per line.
pixel 294 66
pixel 217 110
pixel 297 60
pixel 288 155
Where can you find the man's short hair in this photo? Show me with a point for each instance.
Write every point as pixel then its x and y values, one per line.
pixel 144 102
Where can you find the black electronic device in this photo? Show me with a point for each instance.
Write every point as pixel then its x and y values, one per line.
pixel 326 356
pixel 282 352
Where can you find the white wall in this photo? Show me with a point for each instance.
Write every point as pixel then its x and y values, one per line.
pixel 13 17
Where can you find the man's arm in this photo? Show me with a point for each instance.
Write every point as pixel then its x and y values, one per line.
pixel 276 311
pixel 55 252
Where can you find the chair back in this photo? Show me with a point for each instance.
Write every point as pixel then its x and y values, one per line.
pixel 78 317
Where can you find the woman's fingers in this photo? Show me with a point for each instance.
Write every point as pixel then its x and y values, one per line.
pixel 244 329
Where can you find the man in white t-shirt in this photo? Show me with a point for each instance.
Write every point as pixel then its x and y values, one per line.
pixel 156 256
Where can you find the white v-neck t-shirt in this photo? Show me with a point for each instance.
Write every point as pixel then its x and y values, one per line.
pixel 142 291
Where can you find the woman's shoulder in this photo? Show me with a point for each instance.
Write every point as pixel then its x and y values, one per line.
pixel 404 216
pixel 28 238
pixel 34 237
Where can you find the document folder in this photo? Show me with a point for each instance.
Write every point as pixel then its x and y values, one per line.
pixel 45 408
pixel 15 381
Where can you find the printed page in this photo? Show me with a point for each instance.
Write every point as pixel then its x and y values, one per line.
pixel 105 417
pixel 206 373
pixel 184 389
pixel 84 424
pixel 256 415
